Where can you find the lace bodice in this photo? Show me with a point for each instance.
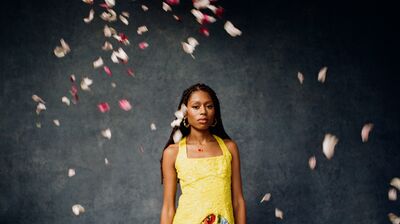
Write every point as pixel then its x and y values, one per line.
pixel 205 185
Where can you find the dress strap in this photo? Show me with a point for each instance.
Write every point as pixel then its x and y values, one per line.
pixel 221 144
pixel 182 147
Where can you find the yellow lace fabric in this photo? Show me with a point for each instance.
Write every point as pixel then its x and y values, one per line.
pixel 205 185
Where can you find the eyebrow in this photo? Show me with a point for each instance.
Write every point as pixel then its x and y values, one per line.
pixel 210 101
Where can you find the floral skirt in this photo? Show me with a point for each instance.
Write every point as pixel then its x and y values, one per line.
pixel 214 219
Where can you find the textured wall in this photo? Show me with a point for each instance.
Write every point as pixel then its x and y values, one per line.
pixel 277 122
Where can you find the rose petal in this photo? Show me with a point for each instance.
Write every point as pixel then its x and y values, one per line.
pixel 395 182
pixel 109 31
pixel 166 7
pixel 103 107
pixel 107 70
pixel 123 20
pixel 72 78
pixel 177 18
pixel 125 105
pixel 328 145
pixel 278 213
pixel 173 2
pixel 98 63
pixel 300 77
pixel 392 194
pixel 204 31
pixel 107 46
pixel 153 127
pixel 143 45
pixel 77 209
pixel 37 99
pixel 90 17
pixel 40 107
pixel 56 122
pixel 125 13
pixel 367 128
pixel 312 162
pixel 145 8
pixel 193 42
pixel 85 83
pixel 65 100
pixel 201 4
pixel 109 16
pixel 130 72
pixel 106 133
pixel 266 197
pixel 110 3
pixel 71 172
pixel 322 74
pixel 231 29
pixel 141 30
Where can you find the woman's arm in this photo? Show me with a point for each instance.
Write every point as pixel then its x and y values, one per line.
pixel 239 205
pixel 169 181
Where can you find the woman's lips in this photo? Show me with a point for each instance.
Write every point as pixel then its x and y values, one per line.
pixel 202 121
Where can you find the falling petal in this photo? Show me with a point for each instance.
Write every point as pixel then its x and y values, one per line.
pixel 56 122
pixel 107 46
pixel 90 2
pixel 202 18
pixel 107 70
pixel 65 100
pixel 71 172
pixel 38 125
pixel 85 83
pixel 143 45
pixel 141 149
pixel 37 99
pixel 122 38
pixel 395 182
pixel 124 20
pixel 193 42
pixel 166 7
pixel 98 63
pixel 145 8
pixel 392 194
pixel 114 57
pixel 90 17
pixel 328 145
pixel 173 2
pixel 125 105
pixel 103 107
pixel 110 3
pixel 204 31
pixel 300 77
pixel 231 29
pixel 125 13
pixel 177 136
pixel 65 46
pixel 40 107
pixel 187 48
pixel 109 31
pixel 141 30
pixel 278 213
pixel 106 161
pixel 72 78
pixel 201 4
pixel 61 51
pixel 106 133
pixel 394 218
pixel 113 84
pixel 312 162
pixel 367 128
pixel 266 197
pixel 177 18
pixel 130 72
pixel 77 209
pixel 322 74
pixel 153 127
pixel 121 55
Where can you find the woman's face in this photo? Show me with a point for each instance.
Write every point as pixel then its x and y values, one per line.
pixel 200 110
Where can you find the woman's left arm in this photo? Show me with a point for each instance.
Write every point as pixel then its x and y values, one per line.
pixel 238 202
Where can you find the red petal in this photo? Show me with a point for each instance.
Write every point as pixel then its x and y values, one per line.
pixel 173 2
pixel 219 12
pixel 107 70
pixel 104 5
pixel 103 107
pixel 143 45
pixel 130 72
pixel 204 31
pixel 124 104
pixel 74 90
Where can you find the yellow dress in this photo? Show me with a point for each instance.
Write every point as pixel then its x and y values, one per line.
pixel 205 185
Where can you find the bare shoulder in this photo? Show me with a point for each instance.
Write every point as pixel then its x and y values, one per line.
pixel 232 146
pixel 171 152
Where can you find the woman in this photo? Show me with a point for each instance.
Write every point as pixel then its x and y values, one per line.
pixel 205 161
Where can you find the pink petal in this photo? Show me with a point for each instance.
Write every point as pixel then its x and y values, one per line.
pixel 125 105
pixel 312 162
pixel 219 12
pixel 103 107
pixel 367 128
pixel 173 2
pixel 104 5
pixel 130 72
pixel 143 45
pixel 107 70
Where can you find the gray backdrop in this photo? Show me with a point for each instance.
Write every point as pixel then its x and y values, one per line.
pixel 277 123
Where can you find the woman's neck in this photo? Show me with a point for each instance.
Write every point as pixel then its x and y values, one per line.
pixel 199 137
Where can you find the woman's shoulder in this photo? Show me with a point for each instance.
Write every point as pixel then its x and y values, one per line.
pixel 171 150
pixel 231 145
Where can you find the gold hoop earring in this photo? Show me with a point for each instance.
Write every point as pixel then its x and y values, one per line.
pixel 184 123
pixel 215 123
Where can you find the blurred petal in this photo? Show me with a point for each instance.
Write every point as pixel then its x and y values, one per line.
pixel 107 46
pixel 40 107
pixel 71 172
pixel 173 2
pixel 278 213
pixel 193 42
pixel 106 133
pixel 106 161
pixel 88 1
pixel 56 122
pixel 85 83
pixel 72 78
pixel 395 182
pixel 103 107
pixel 394 218
pixel 367 128
pixel 141 30
pixel 266 197
pixel 109 31
pixel 153 127
pixel 98 63
pixel 231 29
pixel 204 31
pixel 143 45
pixel 125 13
pixel 65 100
pixel 125 105
pixel 177 136
pixel 37 99
pixel 124 20
pixel 90 17
pixel 312 162
pixel 328 145
pixel 166 7
pixel 113 84
pixel 145 8
pixel 110 3
pixel 130 72
pixel 78 209
pixel 201 4
pixel 322 74
pixel 300 77
pixel 107 70
pixel 392 194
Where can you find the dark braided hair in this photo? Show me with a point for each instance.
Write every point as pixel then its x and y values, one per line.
pixel 217 130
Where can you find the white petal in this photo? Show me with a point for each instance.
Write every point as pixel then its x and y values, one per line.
pixel 177 136
pixel 65 100
pixel 193 42
pixel 37 99
pixel 72 77
pixel 322 74
pixel 199 15
pixel 300 77
pixel 179 114
pixel 77 209
pixel 98 63
pixel 40 107
pixel 110 3
pixel 106 161
pixel 123 20
pixel 125 13
pixel 56 122
pixel 59 52
pixel 106 133
pixel 121 54
pixel 187 48
pixel 392 194
pixel 231 29
pixel 201 4
pixel 266 197
pixel 312 162
pixel 328 145
pixel 71 172
pixel 88 1
pixel 142 29
pixel 90 17
pixel 113 84
pixel 153 127
pixel 107 46
pixel 367 128
pixel 38 125
pixel 176 122
pixel 395 182
pixel 109 31
pixel 85 83
pixel 166 7
pixel 145 8
pixel 278 213
pixel 65 46
pixel 394 218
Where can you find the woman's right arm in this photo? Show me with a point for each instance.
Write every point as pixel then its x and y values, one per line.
pixel 169 182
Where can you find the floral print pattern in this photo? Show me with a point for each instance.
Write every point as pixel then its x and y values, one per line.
pixel 215 219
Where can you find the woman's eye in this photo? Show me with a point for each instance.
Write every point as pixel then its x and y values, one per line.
pixel 210 106
pixel 195 107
